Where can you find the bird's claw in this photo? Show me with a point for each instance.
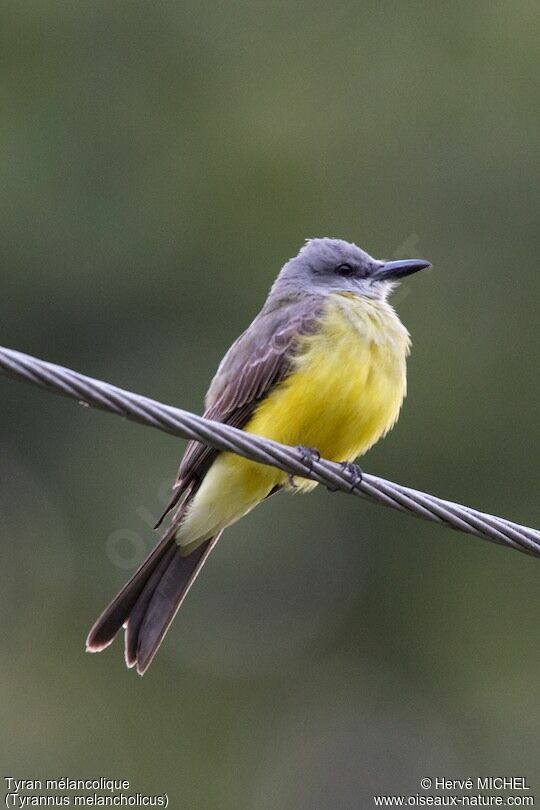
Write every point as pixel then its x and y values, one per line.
pixel 354 473
pixel 308 456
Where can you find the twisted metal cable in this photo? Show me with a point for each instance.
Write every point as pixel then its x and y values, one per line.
pixel 104 396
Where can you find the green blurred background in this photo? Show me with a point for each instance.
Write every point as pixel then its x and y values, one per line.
pixel 160 161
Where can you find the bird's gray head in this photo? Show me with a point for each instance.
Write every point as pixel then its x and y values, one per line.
pixel 332 265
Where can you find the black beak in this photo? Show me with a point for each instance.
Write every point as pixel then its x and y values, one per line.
pixel 392 271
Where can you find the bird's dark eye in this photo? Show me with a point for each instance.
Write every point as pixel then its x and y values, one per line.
pixel 345 270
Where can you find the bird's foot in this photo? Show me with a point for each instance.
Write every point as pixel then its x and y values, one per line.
pixel 354 473
pixel 308 456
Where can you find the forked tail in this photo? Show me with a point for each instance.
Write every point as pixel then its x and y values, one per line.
pixel 148 603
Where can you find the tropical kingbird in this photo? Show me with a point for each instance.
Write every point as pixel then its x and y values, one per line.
pixel 322 366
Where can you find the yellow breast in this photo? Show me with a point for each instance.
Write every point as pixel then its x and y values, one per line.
pixel 344 393
pixel 347 385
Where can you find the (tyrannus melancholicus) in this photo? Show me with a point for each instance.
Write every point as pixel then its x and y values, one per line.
pixel 323 366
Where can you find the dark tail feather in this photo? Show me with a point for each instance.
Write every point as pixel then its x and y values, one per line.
pixel 116 614
pixel 136 616
pixel 148 603
pixel 159 602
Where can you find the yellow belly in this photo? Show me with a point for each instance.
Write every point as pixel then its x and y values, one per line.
pixel 347 386
pixel 344 392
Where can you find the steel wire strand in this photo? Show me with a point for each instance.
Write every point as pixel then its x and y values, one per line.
pixel 104 396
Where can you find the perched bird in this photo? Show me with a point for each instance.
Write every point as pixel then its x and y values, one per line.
pixel 322 366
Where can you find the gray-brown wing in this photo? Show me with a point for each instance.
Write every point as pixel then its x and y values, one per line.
pixel 258 360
